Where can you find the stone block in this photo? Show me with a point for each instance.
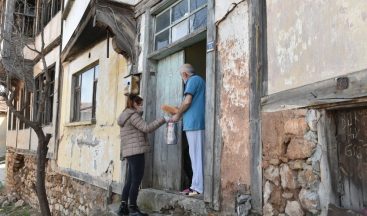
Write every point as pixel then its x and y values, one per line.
pixel 277 200
pixel 296 126
pixel 272 174
pixel 308 179
pixel 19 203
pixel 299 148
pixel 312 119
pixel 268 210
pixel 309 200
pixel 293 208
pixel 296 165
pixel 288 177
pixel 268 188
pixel 274 161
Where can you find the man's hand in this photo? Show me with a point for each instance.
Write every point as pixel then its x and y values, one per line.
pixel 176 118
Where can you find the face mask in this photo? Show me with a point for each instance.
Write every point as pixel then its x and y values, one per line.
pixel 140 108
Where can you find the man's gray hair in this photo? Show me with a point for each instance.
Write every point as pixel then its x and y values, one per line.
pixel 188 68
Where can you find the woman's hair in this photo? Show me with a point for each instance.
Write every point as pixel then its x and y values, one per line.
pixel 131 99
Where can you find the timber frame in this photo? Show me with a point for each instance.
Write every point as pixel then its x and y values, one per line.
pixel 258 74
pixel 212 158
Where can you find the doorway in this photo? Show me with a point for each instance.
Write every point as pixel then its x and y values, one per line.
pixel 171 163
pixel 351 139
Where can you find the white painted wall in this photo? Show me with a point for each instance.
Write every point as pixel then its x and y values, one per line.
pixel 51 32
pixel 73 19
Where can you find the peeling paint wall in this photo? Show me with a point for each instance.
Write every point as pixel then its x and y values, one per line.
pixel 233 56
pixel 86 147
pixel 314 41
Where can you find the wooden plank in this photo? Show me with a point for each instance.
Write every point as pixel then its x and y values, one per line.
pixel 210 117
pixel 327 139
pixel 320 93
pixel 257 27
pixel 168 158
pixel 147 84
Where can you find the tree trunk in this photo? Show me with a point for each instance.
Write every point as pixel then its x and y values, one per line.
pixel 42 150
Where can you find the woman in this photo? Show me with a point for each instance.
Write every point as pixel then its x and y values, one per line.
pixel 133 131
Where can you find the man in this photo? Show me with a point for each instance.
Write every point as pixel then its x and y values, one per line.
pixel 192 110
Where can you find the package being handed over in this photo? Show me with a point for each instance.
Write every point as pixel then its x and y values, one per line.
pixel 171 133
pixel 169 109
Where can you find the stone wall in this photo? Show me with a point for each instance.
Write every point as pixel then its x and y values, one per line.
pixel 291 163
pixel 66 195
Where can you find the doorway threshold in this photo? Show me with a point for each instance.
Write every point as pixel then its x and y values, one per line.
pixel 161 201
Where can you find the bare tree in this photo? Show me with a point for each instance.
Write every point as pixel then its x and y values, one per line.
pixel 16 68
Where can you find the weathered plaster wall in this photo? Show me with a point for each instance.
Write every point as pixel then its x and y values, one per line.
pixel 86 147
pixel 233 55
pixel 73 19
pixel 314 40
pixel 3 129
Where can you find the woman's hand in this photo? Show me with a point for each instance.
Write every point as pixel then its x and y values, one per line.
pixel 167 118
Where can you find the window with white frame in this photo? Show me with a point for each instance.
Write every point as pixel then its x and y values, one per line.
pixel 84 95
pixel 179 20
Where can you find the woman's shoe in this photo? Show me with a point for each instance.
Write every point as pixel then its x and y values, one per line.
pixel 123 210
pixel 134 211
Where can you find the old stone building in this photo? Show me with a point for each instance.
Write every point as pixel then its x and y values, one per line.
pixel 285 95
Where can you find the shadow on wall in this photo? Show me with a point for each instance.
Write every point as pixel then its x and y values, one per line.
pixel 2 135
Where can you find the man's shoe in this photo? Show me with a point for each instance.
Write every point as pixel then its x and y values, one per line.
pixel 194 193
pixel 134 211
pixel 187 191
pixel 123 210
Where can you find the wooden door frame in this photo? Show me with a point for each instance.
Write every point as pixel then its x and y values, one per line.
pixel 212 180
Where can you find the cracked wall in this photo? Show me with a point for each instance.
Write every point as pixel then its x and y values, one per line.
pixel 233 56
pixel 314 41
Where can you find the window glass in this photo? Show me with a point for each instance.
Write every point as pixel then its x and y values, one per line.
pixel 96 72
pixel 162 39
pixel 162 21
pixel 199 19
pixel 179 10
pixel 86 114
pixel 195 4
pixel 87 89
pixel 180 30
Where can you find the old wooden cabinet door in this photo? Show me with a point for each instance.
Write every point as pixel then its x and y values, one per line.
pixel 352 153
pixel 167 159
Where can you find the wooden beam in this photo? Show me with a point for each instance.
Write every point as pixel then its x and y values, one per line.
pixel 67 9
pixel 149 92
pixel 257 32
pixel 319 94
pixel 210 116
pixel 144 6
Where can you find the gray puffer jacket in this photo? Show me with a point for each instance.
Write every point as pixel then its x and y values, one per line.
pixel 133 131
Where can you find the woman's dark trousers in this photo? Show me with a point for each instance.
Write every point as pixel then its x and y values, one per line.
pixel 135 173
